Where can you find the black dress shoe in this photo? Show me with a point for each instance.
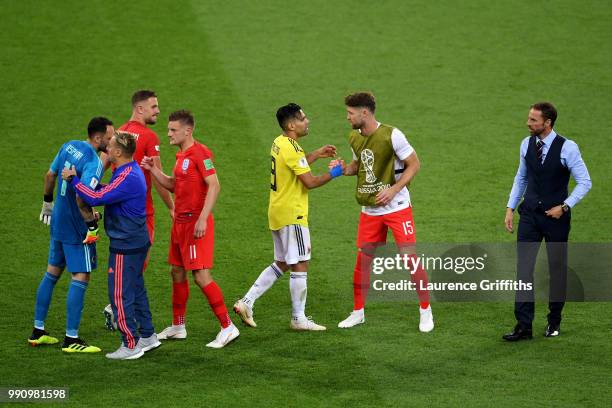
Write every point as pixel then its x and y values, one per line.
pixel 552 330
pixel 518 333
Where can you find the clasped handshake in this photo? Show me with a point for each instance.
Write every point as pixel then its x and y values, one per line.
pixel 336 167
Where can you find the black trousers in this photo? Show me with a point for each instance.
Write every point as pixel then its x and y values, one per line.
pixel 535 225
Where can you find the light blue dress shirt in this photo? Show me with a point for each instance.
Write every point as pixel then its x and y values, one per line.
pixel 570 158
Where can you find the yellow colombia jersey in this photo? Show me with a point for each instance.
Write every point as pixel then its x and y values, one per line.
pixel 288 195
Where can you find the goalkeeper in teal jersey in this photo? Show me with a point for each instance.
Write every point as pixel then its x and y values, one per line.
pixel 73 234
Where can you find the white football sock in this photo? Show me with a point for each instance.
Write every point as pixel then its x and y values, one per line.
pixel 298 288
pixel 266 279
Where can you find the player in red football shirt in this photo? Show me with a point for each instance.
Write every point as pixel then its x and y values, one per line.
pixel 196 187
pixel 145 110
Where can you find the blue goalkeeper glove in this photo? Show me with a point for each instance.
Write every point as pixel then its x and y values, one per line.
pixel 335 171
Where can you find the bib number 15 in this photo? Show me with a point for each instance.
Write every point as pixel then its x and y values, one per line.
pixel 408 228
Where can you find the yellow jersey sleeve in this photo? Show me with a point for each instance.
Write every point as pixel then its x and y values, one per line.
pixel 295 159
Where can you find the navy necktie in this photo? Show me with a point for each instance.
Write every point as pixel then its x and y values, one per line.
pixel 540 148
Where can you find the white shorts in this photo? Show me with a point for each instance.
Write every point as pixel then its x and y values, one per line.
pixel 291 244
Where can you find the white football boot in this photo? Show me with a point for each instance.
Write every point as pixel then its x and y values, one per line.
pixel 356 317
pixel 426 323
pixel 173 332
pixel 305 324
pixel 109 318
pixel 224 337
pixel 245 312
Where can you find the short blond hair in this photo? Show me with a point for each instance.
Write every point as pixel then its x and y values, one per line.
pixel 126 142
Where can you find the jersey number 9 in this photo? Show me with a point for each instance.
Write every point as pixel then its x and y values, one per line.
pixel 273 174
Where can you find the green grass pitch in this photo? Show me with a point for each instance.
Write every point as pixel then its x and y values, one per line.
pixel 456 77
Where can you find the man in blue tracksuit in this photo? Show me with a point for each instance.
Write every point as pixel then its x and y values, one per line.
pixel 125 223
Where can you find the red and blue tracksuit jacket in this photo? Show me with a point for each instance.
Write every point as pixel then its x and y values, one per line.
pixel 125 198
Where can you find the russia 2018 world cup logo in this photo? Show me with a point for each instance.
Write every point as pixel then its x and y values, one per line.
pixel 367 158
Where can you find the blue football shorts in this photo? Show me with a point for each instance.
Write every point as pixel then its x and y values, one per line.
pixel 76 257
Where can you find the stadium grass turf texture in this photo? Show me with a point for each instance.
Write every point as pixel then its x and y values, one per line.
pixel 456 78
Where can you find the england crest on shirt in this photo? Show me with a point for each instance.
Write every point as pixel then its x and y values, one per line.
pixel 185 165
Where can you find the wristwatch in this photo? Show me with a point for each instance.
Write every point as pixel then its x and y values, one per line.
pixel 565 207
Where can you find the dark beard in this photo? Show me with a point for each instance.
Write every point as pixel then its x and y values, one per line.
pixel 536 132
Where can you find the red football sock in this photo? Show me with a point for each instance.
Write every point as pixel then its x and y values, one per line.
pixel 361 280
pixel 180 294
pixel 419 278
pixel 213 293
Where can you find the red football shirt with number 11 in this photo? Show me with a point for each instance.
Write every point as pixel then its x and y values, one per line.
pixel 192 167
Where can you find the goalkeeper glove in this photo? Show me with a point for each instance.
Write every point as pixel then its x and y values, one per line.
pixel 45 213
pixel 92 232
